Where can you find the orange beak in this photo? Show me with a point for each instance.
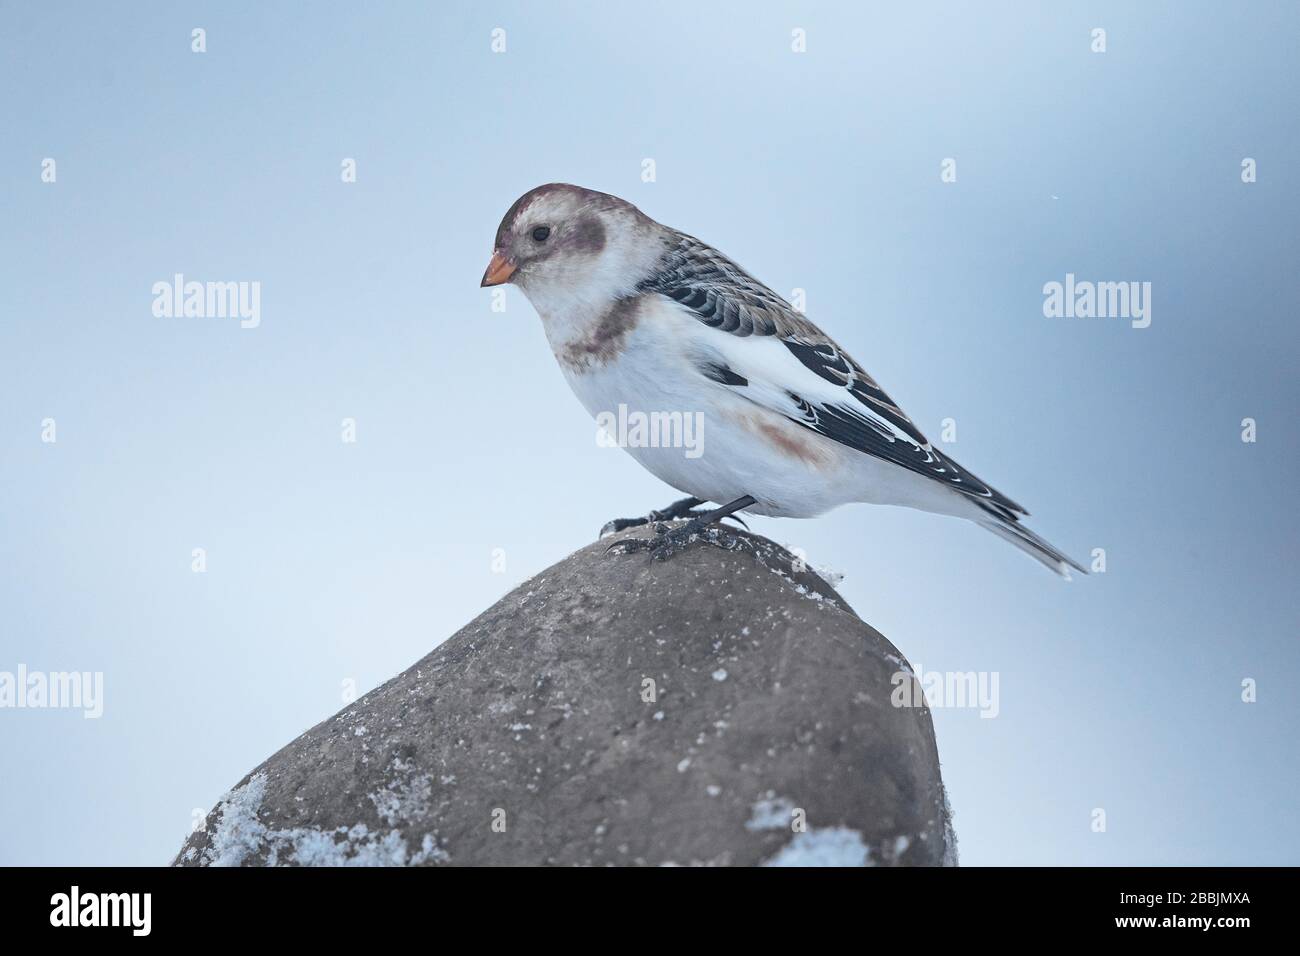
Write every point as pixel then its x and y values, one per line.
pixel 499 270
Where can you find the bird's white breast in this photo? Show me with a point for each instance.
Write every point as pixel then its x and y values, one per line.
pixel 731 446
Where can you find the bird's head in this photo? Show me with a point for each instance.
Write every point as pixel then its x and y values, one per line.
pixel 561 241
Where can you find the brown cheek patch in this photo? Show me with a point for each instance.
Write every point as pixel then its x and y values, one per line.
pixel 605 341
pixel 588 235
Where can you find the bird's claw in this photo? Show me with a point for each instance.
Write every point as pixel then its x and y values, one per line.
pixel 669 542
pixel 666 543
pixel 615 525
pixel 655 517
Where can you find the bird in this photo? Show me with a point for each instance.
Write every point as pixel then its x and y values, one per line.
pixel 642 317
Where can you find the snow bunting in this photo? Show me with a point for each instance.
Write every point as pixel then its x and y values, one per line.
pixel 643 317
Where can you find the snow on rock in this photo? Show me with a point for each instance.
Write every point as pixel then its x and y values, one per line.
pixel 771 813
pixel 949 834
pixel 238 835
pixel 825 846
pixel 239 832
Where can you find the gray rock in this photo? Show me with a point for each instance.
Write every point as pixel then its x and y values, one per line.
pixel 529 738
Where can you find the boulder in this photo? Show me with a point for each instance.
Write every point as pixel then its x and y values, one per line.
pixel 724 707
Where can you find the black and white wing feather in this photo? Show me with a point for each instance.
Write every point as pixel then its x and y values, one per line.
pixel 838 399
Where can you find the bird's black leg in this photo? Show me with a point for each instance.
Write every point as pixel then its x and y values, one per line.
pixel 678 509
pixel 671 541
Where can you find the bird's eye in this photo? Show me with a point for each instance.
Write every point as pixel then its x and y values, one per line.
pixel 540 233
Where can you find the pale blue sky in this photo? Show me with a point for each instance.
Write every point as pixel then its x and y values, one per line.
pixel 329 562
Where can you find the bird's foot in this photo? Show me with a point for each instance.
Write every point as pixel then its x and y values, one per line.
pixel 654 517
pixel 658 517
pixel 685 508
pixel 669 542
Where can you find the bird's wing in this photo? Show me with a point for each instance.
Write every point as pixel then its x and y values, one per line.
pixel 777 358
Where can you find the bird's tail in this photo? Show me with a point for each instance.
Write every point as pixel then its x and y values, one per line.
pixel 1009 528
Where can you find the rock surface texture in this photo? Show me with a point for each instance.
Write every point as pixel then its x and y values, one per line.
pixel 724 707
